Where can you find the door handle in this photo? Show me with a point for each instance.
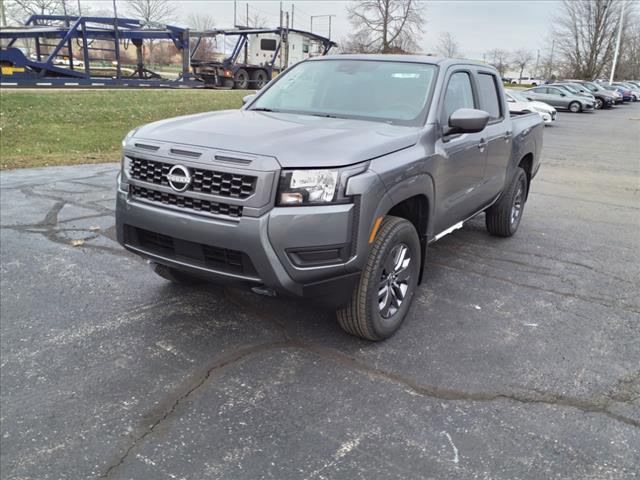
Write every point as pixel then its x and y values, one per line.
pixel 507 135
pixel 482 144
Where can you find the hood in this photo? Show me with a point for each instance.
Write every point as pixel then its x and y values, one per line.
pixel 294 140
pixel 543 106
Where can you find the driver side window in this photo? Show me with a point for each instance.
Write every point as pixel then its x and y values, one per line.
pixel 459 94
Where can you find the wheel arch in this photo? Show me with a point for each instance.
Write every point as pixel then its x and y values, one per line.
pixel 412 199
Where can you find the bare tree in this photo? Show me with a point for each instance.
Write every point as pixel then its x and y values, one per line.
pixel 521 58
pixel 629 64
pixel 18 11
pixel 202 23
pixel 386 26
pixel 257 21
pixel 585 33
pixel 447 46
pixel 152 13
pixel 499 59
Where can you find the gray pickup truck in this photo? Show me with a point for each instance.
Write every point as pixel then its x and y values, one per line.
pixel 330 182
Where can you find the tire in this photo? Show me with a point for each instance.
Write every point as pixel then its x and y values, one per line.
pixel 374 312
pixel 599 104
pixel 575 107
pixel 259 78
pixel 503 218
pixel 173 275
pixel 228 83
pixel 242 79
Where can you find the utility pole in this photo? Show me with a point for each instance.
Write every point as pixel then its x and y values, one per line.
pixel 79 9
pixel 615 55
pixel 550 72
pixel 281 38
pixel 322 16
pixel 235 8
pixel 535 71
pixel 3 16
pixel 286 43
pixel 293 10
pixel 247 24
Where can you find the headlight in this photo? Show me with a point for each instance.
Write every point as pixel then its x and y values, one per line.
pixel 129 135
pixel 315 187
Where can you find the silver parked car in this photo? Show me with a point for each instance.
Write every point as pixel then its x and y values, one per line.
pixel 560 98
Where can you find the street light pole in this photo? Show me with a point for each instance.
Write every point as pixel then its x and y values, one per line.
pixel 615 55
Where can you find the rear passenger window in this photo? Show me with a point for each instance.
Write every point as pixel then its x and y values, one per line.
pixel 488 95
pixel 541 90
pixel 459 94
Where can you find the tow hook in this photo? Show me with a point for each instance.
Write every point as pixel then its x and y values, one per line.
pixel 263 290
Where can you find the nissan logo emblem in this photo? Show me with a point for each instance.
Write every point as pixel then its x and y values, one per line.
pixel 179 178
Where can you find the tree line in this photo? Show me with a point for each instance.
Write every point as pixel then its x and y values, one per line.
pixel 581 40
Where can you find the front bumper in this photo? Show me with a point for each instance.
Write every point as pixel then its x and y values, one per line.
pixel 300 251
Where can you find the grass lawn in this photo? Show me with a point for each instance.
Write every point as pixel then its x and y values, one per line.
pixel 64 127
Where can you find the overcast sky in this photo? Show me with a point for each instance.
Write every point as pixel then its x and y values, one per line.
pixel 477 25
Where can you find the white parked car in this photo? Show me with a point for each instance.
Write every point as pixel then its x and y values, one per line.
pixel 527 81
pixel 518 102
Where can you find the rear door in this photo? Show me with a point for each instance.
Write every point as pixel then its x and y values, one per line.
pixel 460 170
pixel 497 134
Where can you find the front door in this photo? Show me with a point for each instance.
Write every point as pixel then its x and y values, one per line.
pixel 460 169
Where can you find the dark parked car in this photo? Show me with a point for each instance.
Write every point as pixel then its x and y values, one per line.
pixel 635 91
pixel 560 98
pixel 330 182
pixel 627 96
pixel 604 97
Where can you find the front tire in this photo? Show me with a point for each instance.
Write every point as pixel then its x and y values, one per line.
pixel 575 107
pixel 503 218
pixel 388 282
pixel 599 104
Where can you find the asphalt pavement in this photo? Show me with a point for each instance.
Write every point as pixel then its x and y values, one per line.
pixel 520 358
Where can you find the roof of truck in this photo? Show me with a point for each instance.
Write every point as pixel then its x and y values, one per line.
pixel 404 58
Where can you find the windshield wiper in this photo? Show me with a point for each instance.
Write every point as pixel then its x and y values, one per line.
pixel 262 109
pixel 325 115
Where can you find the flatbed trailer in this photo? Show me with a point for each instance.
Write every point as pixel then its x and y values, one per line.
pixel 64 44
pixel 232 73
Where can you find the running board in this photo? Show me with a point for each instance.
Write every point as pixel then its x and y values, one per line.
pixel 448 230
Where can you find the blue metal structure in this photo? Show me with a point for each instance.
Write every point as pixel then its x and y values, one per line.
pixel 70 34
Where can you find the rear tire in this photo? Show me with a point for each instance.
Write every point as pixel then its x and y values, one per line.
pixel 503 218
pixel 259 78
pixel 173 275
pixel 242 79
pixel 599 104
pixel 382 298
pixel 575 107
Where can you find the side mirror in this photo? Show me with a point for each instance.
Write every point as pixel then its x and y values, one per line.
pixel 467 120
pixel 248 99
pixel 530 99
pixel 563 94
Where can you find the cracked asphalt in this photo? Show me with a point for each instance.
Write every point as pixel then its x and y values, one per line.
pixel 520 358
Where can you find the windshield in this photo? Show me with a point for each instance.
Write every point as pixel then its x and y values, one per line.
pixel 518 95
pixel 590 86
pixel 393 92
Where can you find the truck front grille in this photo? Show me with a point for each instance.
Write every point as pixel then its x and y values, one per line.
pixel 188 203
pixel 211 182
pixel 214 258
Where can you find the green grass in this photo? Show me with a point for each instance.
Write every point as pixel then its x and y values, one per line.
pixel 62 127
